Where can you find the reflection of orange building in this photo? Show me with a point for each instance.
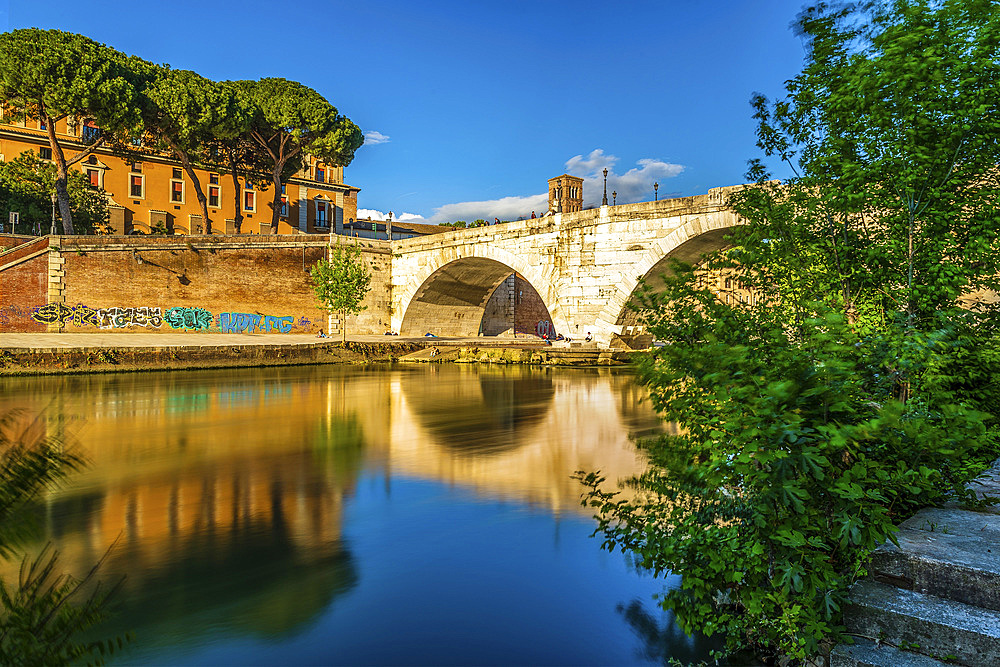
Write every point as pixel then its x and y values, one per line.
pixel 156 192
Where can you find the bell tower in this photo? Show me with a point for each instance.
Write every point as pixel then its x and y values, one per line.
pixel 565 194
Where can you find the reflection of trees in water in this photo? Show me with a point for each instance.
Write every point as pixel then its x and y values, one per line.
pixel 635 408
pixel 484 417
pixel 246 545
pixel 663 641
pixel 249 580
pixel 338 446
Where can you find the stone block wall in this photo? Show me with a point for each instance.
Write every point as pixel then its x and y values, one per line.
pixel 516 298
pixel 584 265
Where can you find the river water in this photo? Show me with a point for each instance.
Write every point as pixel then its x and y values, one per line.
pixel 416 515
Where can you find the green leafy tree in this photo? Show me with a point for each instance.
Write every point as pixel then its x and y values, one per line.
pixel 891 130
pixel 813 420
pixel 237 154
pixel 292 120
pixel 53 75
pixel 27 186
pixel 478 223
pixel 341 283
pixel 184 112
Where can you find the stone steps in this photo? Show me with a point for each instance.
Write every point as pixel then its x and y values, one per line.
pixel 935 595
pixel 960 633
pixel 866 653
pixel 945 552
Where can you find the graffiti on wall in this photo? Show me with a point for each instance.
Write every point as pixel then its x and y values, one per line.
pixel 253 322
pixel 59 313
pixel 182 317
pixel 105 318
pixel 119 318
pixel 544 328
pixel 176 317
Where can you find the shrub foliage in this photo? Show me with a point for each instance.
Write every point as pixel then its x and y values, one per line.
pixel 858 384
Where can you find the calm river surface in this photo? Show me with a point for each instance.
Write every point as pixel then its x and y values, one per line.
pixel 349 515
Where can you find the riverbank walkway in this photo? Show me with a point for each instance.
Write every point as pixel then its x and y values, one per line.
pixel 65 341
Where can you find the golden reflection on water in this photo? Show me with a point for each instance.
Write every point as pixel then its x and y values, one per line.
pixel 190 471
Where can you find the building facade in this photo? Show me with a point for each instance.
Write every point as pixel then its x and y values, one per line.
pixel 155 194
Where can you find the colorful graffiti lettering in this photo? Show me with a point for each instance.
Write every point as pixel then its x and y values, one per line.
pixel 545 328
pixel 250 322
pixel 181 317
pixel 59 313
pixel 119 318
pixel 177 317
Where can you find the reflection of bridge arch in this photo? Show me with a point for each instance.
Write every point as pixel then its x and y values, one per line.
pixel 449 297
pixel 488 413
pixel 687 243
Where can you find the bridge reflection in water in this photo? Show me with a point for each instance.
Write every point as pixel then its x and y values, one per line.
pixel 248 504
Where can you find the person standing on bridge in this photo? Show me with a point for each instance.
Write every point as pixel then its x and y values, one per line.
pixel 533 215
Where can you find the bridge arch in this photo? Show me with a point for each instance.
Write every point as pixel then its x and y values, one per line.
pixel 449 296
pixel 687 243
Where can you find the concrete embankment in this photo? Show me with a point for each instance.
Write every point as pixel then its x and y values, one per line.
pixel 43 354
pixel 45 361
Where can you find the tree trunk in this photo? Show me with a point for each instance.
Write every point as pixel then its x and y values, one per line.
pixel 62 193
pixel 238 217
pixel 199 193
pixel 276 201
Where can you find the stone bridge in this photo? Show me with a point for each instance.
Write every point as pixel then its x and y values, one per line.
pixel 584 265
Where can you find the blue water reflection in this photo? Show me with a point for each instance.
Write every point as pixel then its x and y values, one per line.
pixel 330 515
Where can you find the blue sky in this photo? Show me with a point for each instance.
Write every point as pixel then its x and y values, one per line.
pixel 470 107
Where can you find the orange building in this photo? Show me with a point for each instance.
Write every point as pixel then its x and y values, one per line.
pixel 156 192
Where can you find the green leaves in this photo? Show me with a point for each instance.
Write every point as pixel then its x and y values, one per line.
pixel 804 434
pixel 290 119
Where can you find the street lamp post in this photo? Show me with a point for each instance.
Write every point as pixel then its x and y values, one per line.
pixel 388 227
pixel 614 197
pixel 656 194
pixel 604 202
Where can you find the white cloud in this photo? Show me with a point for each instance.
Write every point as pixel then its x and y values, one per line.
pixel 375 214
pixel 505 208
pixel 590 165
pixel 373 138
pixel 634 185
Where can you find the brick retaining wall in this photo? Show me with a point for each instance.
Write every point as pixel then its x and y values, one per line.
pixel 246 284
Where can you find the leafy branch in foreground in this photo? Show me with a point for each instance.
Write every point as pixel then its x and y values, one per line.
pixel 859 385
pixel 44 615
pixel 798 451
